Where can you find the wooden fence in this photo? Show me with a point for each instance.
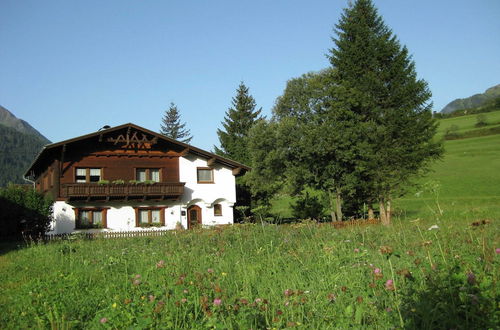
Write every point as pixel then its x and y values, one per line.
pixel 109 234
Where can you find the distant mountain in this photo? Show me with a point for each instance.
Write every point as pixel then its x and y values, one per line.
pixel 19 144
pixel 472 101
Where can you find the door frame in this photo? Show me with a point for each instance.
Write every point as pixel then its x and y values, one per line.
pixel 198 213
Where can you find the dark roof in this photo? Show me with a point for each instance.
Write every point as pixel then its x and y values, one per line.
pixel 49 150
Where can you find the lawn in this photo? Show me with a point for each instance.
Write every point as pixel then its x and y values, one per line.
pixel 421 274
pixel 467 123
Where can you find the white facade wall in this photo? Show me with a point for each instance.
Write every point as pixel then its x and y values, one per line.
pixel 121 214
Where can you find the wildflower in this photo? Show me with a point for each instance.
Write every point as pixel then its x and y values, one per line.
pixel 183 300
pixel 389 285
pixel 151 298
pixel 224 274
pixel 258 300
pixel 210 270
pixel 356 250
pixel 471 278
pixel 410 253
pixel 104 320
pixel 136 282
pixel 138 276
pixel 160 264
pixel 433 227
pixel 279 312
pixel 185 291
pixel 217 302
pixel 378 273
pixel 114 305
pixel 497 250
pixel 288 293
pixel 386 249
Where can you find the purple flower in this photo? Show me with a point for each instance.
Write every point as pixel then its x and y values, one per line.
pixel 217 302
pixel 160 264
pixel 288 292
pixel 210 270
pixel 377 271
pixel 104 320
pixel 389 285
pixel 137 276
pixel 471 278
pixel 497 250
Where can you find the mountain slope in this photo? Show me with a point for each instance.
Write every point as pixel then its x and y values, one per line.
pixel 472 101
pixel 9 120
pixel 19 144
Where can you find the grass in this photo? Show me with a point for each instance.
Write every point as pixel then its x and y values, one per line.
pixel 467 123
pixel 437 266
pixel 253 276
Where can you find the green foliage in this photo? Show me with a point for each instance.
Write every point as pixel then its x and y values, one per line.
pixel 237 123
pixel 17 151
pixel 481 120
pixel 261 276
pixel 379 78
pixel 308 206
pixel 119 181
pixel 171 125
pixel 103 182
pixel 23 211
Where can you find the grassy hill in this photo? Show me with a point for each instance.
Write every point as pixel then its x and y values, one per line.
pixel 474 101
pixel 463 184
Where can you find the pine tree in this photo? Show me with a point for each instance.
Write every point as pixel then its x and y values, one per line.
pixel 237 123
pixel 380 77
pixel 171 125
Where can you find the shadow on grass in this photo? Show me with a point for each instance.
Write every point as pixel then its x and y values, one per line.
pixel 451 300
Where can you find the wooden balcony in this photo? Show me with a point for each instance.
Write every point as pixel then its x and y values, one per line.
pixel 93 191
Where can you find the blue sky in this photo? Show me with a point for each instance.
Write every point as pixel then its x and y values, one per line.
pixel 70 67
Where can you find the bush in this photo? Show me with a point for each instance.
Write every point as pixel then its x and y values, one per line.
pixel 452 133
pixel 308 207
pixel 24 212
pixel 481 120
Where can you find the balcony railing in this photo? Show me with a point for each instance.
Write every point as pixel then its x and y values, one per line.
pixel 121 191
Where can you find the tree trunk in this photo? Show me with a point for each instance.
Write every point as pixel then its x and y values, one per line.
pixel 388 212
pixel 332 208
pixel 385 213
pixel 371 214
pixel 339 206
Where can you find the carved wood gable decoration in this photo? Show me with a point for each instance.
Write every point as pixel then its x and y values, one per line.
pixel 133 139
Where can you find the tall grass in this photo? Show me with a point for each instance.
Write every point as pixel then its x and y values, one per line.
pixel 254 276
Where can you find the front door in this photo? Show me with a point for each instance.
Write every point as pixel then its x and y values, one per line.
pixel 194 216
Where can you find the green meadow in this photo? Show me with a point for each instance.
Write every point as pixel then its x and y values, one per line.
pixel 437 266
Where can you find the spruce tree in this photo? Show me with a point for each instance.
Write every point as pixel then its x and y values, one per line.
pixel 171 125
pixel 394 105
pixel 237 123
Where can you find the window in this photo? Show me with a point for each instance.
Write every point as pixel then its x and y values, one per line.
pixel 148 217
pixel 218 210
pixel 85 175
pixel 90 218
pixel 205 175
pixel 147 174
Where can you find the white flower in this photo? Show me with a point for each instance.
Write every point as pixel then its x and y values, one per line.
pixel 433 227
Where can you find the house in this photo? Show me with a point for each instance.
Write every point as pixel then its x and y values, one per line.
pixel 129 178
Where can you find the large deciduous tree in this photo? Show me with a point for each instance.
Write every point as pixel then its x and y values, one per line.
pixel 394 105
pixel 172 127
pixel 240 117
